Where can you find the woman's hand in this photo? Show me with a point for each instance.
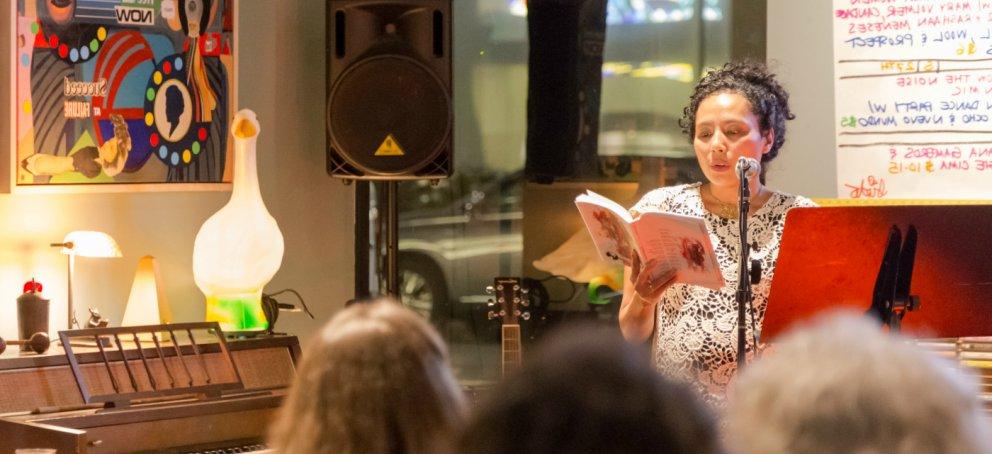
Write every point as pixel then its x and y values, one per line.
pixel 641 293
pixel 650 280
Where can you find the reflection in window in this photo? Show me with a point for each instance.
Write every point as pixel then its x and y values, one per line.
pixel 655 52
pixel 457 234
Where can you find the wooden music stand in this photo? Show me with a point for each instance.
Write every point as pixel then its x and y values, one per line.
pixel 830 258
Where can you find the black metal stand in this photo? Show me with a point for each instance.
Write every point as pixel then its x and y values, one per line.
pixel 392 240
pixel 744 294
pixel 891 299
pixel 362 206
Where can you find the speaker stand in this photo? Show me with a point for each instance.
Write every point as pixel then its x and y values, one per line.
pixel 392 240
pixel 363 203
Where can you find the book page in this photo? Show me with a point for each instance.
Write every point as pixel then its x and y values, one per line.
pixel 609 230
pixel 619 210
pixel 682 243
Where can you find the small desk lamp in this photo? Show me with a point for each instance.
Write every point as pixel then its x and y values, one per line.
pixel 85 243
pixel 147 304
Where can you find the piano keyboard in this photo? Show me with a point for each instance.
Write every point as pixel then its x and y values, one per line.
pixel 230 447
pixel 236 422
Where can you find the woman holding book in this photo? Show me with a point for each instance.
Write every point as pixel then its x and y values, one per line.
pixel 736 111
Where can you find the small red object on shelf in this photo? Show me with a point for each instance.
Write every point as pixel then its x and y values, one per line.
pixel 32 286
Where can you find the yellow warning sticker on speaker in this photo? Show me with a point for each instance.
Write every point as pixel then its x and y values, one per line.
pixel 389 147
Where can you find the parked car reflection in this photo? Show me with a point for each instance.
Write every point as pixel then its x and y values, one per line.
pixel 455 237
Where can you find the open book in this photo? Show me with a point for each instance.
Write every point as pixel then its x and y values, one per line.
pixel 680 241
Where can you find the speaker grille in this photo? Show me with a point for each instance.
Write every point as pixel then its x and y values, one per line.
pixel 395 97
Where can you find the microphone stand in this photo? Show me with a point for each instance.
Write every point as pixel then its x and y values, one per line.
pixel 743 273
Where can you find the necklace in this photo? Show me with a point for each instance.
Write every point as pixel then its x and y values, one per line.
pixel 729 210
pixel 723 209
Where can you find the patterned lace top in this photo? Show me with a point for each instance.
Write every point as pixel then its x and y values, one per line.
pixel 695 335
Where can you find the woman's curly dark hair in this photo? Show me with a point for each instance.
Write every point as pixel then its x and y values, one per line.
pixel 769 101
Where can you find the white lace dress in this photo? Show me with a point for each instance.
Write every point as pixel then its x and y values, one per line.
pixel 695 335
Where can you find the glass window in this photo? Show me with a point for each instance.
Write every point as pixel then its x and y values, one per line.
pixel 457 234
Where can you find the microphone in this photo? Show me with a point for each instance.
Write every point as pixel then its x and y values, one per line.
pixel 750 166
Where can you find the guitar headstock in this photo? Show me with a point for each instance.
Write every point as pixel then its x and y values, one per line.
pixel 510 300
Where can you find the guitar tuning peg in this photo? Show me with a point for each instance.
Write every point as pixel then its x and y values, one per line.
pixel 525 316
pixel 491 315
pixel 502 313
pixel 490 302
pixel 525 290
pixel 489 290
pixel 524 302
pixel 516 312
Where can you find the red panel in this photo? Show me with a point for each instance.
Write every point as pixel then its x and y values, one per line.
pixel 830 257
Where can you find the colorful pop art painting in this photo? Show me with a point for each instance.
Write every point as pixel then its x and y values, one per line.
pixel 121 94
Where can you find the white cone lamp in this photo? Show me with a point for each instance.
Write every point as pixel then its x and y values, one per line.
pixel 147 303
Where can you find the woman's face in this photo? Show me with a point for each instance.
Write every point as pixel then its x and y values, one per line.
pixel 726 129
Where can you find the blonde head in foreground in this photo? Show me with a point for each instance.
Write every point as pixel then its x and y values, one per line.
pixel 845 385
pixel 375 379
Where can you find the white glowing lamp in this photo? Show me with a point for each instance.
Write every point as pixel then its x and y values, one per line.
pixel 84 243
pixel 240 247
pixel 147 304
pixel 89 243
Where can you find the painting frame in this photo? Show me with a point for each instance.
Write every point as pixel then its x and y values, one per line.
pixel 152 160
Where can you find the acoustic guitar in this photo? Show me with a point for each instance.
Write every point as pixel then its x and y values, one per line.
pixel 509 305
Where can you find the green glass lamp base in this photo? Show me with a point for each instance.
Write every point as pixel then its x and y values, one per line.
pixel 242 312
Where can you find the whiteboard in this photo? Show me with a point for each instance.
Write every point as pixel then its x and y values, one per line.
pixel 913 89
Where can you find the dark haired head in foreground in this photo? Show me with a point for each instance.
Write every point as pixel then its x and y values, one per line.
pixel 588 391
pixel 375 379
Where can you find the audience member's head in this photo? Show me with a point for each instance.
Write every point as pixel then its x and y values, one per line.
pixel 375 379
pixel 587 391
pixel 845 385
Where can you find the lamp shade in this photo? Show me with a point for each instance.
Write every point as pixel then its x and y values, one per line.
pixel 147 303
pixel 89 243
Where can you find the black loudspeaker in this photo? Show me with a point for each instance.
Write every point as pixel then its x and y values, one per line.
pixel 566 40
pixel 389 111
